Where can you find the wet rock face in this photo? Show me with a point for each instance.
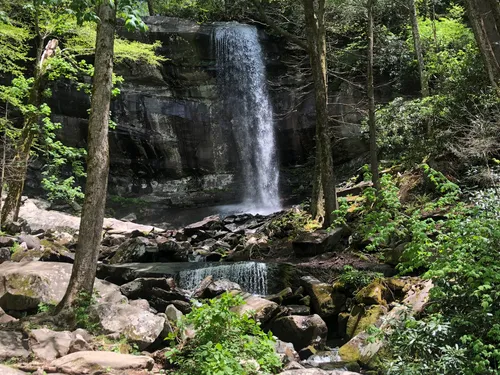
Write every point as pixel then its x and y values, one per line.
pixel 170 144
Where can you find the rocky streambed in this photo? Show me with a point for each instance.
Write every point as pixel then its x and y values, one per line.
pixel 149 277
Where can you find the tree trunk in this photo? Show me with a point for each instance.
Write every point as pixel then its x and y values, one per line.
pixel 90 234
pixel 316 35
pixel 317 201
pixel 424 84
pixel 151 8
pixel 371 101
pixel 15 182
pixel 483 16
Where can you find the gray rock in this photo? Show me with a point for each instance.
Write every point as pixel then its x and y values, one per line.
pixel 286 352
pixel 92 363
pixel 208 223
pixel 12 345
pixel 301 331
pixel 80 341
pixel 142 286
pixel 323 301
pixel 217 287
pixel 6 318
pixel 173 314
pixel 6 370
pixel 4 254
pixel 298 310
pixel 317 371
pixel 138 325
pixel 6 241
pixel 140 303
pixel 318 242
pixel 32 242
pixel 24 285
pixel 48 345
pixel 137 249
pixel 260 308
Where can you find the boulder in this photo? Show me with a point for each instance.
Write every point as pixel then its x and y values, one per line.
pixel 93 363
pixel 136 249
pixel 279 297
pixel 208 223
pixel 301 331
pixel 286 352
pixel 80 341
pixel 173 314
pixel 298 310
pixel 317 371
pixel 6 370
pixel 4 254
pixel 6 241
pixel 48 345
pixel 321 294
pixel 318 242
pixel 47 252
pixel 362 317
pixel 32 242
pixel 172 250
pixel 210 288
pixel 218 287
pixel 136 324
pixel 6 318
pixel 12 345
pixel 24 285
pixel 140 287
pixel 140 303
pixel 261 309
pixel 372 294
pixel 361 349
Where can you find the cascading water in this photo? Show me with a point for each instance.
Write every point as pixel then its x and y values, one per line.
pixel 241 79
pixel 251 276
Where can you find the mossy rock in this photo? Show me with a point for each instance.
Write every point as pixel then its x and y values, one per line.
pixel 48 252
pixel 361 318
pixel 372 294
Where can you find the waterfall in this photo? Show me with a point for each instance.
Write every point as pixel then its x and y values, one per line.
pixel 251 276
pixel 246 109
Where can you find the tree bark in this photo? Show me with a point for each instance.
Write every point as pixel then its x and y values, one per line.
pixel 151 8
pixel 90 234
pixel 316 35
pixel 424 84
pixel 371 100
pixel 317 201
pixel 15 182
pixel 483 15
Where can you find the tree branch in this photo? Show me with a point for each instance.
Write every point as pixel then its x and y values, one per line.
pixel 292 37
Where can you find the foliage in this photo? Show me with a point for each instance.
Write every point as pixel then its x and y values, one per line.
pixel 355 279
pixel 82 304
pixel 422 347
pixel 225 342
pixel 292 223
pixel 46 307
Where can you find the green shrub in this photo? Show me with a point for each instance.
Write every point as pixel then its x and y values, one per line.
pixel 354 279
pixel 225 343
pixel 422 347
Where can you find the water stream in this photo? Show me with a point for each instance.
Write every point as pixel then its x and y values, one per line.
pixel 241 80
pixel 251 276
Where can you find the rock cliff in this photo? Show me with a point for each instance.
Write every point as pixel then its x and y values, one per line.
pixel 169 146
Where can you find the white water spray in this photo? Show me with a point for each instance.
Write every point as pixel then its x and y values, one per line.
pixel 241 79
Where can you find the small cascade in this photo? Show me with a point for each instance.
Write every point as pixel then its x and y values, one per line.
pixel 246 109
pixel 251 276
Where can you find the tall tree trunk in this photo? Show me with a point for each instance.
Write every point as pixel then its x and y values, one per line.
pixel 483 16
pixel 424 83
pixel 90 234
pixel 151 8
pixel 15 183
pixel 317 201
pixel 316 35
pixel 371 100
